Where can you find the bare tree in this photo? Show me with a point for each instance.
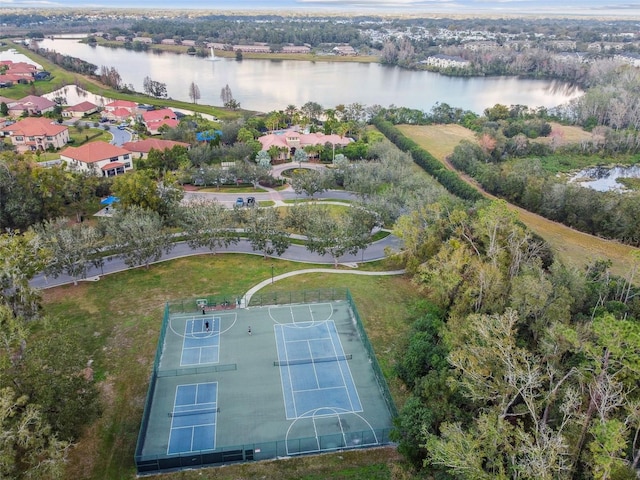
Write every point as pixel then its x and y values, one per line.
pixel 194 92
pixel 225 95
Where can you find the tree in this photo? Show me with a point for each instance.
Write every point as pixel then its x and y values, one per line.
pixel 154 88
pixel 194 92
pixel 137 188
pixel 23 256
pixel 28 447
pixel 265 231
pixel 71 247
pixel 138 236
pixel 308 182
pixel 208 224
pixel 338 235
pixel 300 156
pixel 225 95
pixel 4 109
pixel 263 159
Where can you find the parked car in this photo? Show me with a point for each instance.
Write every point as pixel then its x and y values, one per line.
pixel 239 202
pixel 251 201
pixel 122 126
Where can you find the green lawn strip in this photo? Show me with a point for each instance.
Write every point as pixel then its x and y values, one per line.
pixel 84 135
pixel 120 317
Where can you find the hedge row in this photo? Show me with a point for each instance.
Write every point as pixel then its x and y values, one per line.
pixel 449 180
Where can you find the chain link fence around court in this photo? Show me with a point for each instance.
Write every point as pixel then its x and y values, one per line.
pixel 267 450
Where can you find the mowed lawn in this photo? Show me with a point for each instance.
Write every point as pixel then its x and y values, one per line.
pixel 120 315
pixel 573 247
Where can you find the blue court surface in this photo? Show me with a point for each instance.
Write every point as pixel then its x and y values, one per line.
pixel 201 343
pixel 314 370
pixel 193 422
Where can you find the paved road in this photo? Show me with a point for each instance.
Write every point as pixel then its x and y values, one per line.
pixel 296 253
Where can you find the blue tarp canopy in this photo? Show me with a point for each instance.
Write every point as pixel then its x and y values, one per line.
pixel 208 135
pixel 109 200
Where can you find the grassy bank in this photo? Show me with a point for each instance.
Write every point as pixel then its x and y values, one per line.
pixel 60 78
pixel 120 317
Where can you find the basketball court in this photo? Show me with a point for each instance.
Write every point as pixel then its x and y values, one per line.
pixel 260 383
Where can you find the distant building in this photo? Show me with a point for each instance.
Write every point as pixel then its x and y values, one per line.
pixel 446 61
pixel 344 50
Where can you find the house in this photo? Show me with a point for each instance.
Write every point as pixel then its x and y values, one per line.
pixel 33 105
pixel 291 139
pixel 141 148
pixel 99 158
pixel 120 110
pixel 145 40
pixel 80 110
pixel 36 133
pixel 154 119
pixel 168 41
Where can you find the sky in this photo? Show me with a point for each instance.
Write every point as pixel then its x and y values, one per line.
pixel 595 8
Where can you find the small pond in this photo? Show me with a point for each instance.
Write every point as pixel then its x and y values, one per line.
pixel 604 179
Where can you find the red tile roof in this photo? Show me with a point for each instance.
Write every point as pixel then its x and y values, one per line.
pixel 35 127
pixel 121 104
pixel 145 146
pixel 94 152
pixel 41 102
pixel 82 107
pixel 157 115
pixel 112 165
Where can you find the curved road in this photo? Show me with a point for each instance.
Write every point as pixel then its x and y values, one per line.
pixel 295 253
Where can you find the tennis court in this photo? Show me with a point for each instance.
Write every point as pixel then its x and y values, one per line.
pixel 261 383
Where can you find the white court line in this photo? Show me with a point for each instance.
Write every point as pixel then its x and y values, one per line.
pixel 350 375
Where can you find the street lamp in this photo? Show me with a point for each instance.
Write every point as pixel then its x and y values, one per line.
pixel 271 274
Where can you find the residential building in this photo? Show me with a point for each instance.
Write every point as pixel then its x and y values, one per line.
pixel 32 105
pixel 141 148
pixel 344 50
pixel 99 158
pixel 37 133
pixel 120 110
pixel 80 110
pixel 154 119
pixel 292 139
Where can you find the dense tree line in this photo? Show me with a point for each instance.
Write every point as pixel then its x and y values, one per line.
pixel 46 376
pixel 68 62
pixel 274 30
pixel 525 183
pixel 427 162
pixel 518 366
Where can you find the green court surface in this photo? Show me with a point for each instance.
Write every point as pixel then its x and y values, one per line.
pixel 243 384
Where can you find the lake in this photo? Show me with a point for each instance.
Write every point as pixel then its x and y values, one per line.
pixel 266 85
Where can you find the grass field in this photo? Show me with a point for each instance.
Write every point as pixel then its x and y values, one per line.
pixel 573 247
pixel 120 316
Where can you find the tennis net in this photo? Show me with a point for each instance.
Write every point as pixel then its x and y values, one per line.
pixel 203 411
pixel 303 361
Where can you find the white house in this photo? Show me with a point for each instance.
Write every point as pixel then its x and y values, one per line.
pixel 99 158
